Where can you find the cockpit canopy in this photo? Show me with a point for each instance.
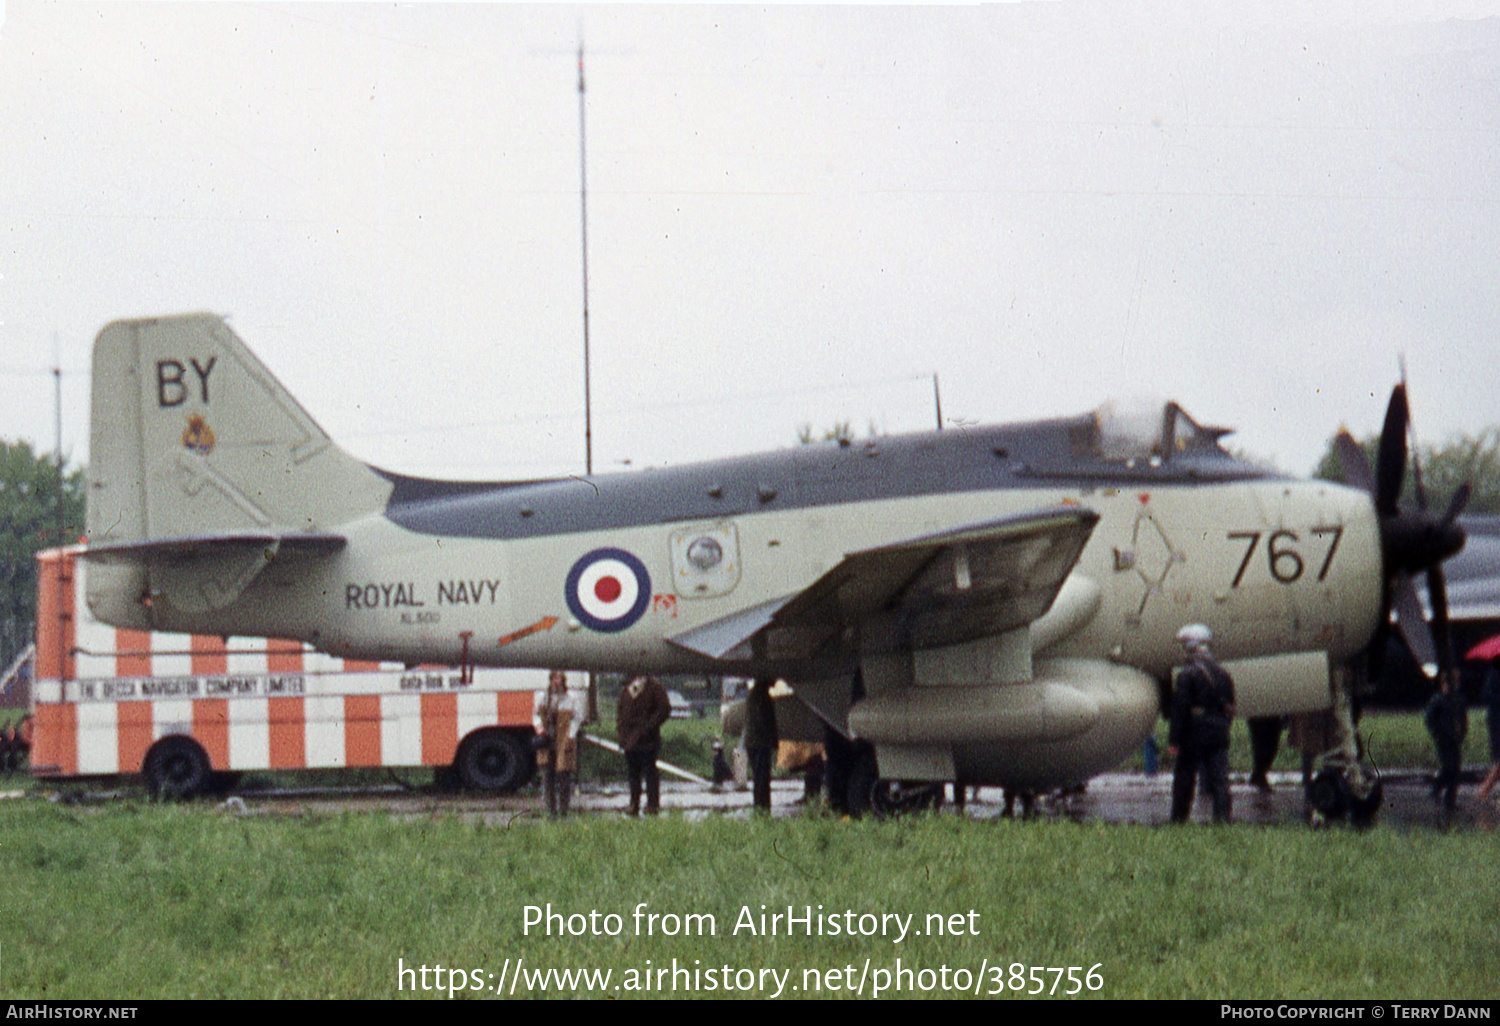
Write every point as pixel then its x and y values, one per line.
pixel 1150 432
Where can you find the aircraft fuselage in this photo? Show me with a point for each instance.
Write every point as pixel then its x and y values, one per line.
pixel 1271 564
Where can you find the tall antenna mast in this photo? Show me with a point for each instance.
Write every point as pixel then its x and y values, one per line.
pixel 591 714
pixel 583 198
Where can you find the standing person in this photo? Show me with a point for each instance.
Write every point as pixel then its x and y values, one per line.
pixel 643 708
pixel 1491 698
pixel 1202 709
pixel 556 717
pixel 1265 742
pixel 761 739
pixel 1447 719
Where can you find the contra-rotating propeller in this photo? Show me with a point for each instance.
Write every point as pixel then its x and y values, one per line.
pixel 1411 541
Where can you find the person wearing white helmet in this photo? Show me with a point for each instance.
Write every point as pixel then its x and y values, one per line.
pixel 1202 709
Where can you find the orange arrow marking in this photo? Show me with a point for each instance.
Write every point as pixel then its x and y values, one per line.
pixel 544 624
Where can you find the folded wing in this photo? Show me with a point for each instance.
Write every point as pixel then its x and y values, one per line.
pixel 926 592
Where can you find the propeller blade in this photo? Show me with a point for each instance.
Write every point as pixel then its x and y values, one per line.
pixel 1352 461
pixel 1390 461
pixel 1410 622
pixel 1458 502
pixel 1437 595
pixel 1411 541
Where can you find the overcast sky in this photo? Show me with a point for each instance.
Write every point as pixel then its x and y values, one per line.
pixel 795 215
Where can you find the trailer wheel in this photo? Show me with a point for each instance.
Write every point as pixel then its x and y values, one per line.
pixel 493 760
pixel 176 768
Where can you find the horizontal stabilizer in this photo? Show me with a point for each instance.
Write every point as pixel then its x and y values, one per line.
pixel 199 574
pixel 161 551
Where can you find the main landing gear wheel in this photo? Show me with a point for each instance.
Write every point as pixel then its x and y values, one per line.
pixel 892 798
pixel 176 768
pixel 1327 794
pixel 493 760
pixel 1353 791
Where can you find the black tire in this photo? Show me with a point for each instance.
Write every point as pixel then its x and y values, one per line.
pixel 493 760
pixel 176 769
pixel 1329 794
pixel 892 798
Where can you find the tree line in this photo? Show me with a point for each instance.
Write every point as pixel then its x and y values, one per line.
pixel 35 514
pixel 1471 458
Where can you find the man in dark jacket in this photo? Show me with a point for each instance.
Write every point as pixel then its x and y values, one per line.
pixel 643 708
pixel 1202 709
pixel 1447 719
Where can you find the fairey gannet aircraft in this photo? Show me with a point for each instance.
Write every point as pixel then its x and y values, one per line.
pixel 994 604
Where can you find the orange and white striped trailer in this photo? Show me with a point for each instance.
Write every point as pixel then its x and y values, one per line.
pixel 179 708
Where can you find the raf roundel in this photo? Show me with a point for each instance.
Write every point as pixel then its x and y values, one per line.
pixel 608 590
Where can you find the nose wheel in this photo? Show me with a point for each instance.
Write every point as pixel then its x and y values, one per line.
pixel 1349 790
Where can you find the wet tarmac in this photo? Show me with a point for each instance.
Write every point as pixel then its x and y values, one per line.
pixel 1111 798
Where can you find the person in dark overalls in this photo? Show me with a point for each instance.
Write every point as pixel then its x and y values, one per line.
pixel 1202 709
pixel 761 738
pixel 1447 719
pixel 643 708
pixel 1265 742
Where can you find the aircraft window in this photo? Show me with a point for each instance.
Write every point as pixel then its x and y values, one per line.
pixel 1129 430
pixel 705 553
pixel 1150 432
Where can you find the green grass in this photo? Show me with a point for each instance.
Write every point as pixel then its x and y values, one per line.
pixel 138 901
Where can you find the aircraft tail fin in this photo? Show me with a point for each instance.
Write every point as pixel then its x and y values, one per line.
pixel 192 438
